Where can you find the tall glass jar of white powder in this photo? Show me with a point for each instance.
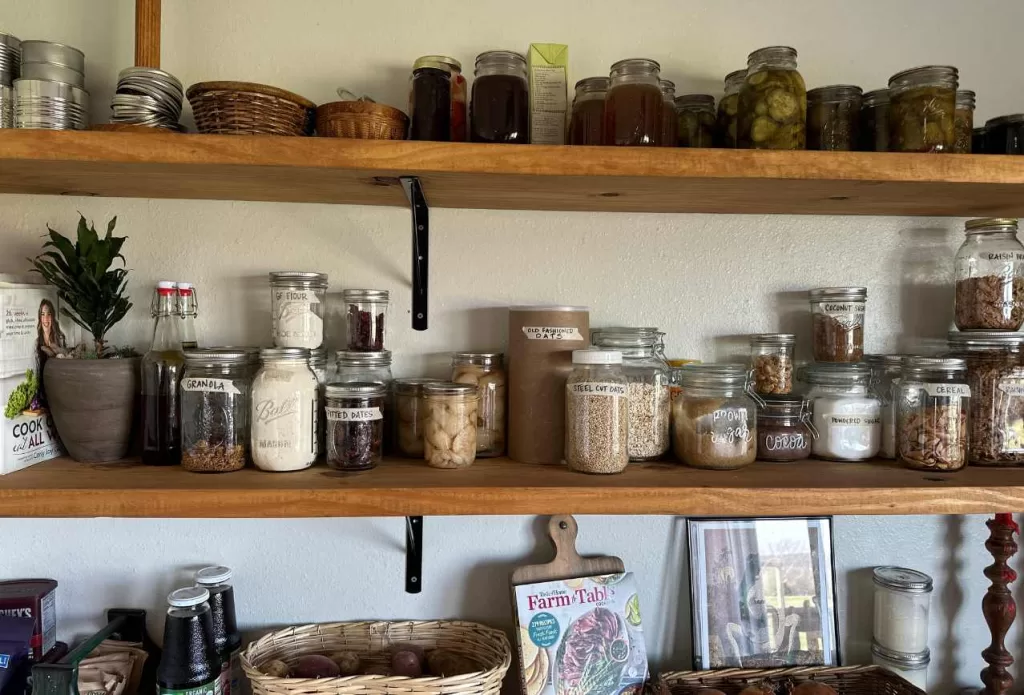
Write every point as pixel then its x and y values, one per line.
pixel 847 416
pixel 902 602
pixel 297 304
pixel 285 405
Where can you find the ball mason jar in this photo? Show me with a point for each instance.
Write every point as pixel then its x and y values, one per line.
pixel 922 102
pixel 833 117
pixel 963 122
pixel 586 125
pixel 297 305
pixel 989 277
pixel 634 105
pixel 727 119
pixel 355 425
pixel 873 133
pixel 367 313
pixel 695 114
pixel 837 316
pixel 285 411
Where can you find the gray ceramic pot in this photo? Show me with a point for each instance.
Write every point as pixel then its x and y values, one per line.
pixel 92 403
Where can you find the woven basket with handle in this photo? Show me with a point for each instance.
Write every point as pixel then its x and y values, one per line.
pixel 248 108
pixel 360 119
pixel 372 641
pixel 845 680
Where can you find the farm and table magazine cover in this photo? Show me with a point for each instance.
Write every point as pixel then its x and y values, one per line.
pixel 581 636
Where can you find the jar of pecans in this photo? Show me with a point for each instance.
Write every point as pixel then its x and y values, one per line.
pixel 355 425
pixel 784 429
pixel 838 323
pixel 771 357
pixel 931 414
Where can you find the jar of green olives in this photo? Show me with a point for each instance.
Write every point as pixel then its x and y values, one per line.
pixel 773 102
pixel 874 121
pixel 963 121
pixel 696 120
pixel 728 109
pixel 921 105
pixel 669 123
pixel 833 117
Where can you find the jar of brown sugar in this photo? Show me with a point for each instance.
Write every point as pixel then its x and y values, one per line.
pixel 715 417
pixel 784 429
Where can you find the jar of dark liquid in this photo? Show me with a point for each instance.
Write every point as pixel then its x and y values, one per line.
pixel 873 130
pixel 634 106
pixel 669 120
pixel 189 662
pixel 586 125
pixel 430 99
pixel 227 640
pixel 1005 134
pixel 162 366
pixel 500 106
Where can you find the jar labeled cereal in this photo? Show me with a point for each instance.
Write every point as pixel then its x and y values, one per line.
pixel 771 357
pixel 449 428
pixel 355 425
pixel 773 102
pixel 931 414
pixel 486 371
pixel 989 277
pixel 597 413
pixel 715 417
pixel 837 314
pixel 411 415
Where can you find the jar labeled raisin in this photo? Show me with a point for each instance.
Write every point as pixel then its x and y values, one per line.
pixel 355 425
pixel 963 121
pixel 784 429
pixel 696 116
pixel 410 415
pixel 873 135
pixel 215 388
pixel 833 117
pixel 586 125
pixel 989 277
pixel 500 107
pixel 931 414
pixel 922 102
pixel 773 102
pixel 837 315
pixel 669 124
pixel 634 106
pixel 727 119
pixel 430 99
pixel 367 312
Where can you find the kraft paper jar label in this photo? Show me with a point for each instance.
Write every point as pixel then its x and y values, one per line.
pixel 552 333
pixel 947 390
pixel 594 388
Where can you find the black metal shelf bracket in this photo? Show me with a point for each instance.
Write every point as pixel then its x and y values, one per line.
pixel 420 248
pixel 413 554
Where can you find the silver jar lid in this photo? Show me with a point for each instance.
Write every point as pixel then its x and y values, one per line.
pixel 772 340
pixel 990 224
pixel 412 386
pixel 1004 120
pixel 834 92
pixel 876 97
pixel 593 84
pixel 921 366
pixel 295 277
pixel 365 295
pixel 782 406
pixel 837 373
pixel 943 74
pixel 720 375
pixel 449 388
pixel 252 353
pixel 696 101
pixel 985 339
pixel 902 579
pixel 907 661
pixel 838 294
pixel 285 353
pixel 220 356
pixel 484 359
pixel 356 358
pixel 356 389
pixel 626 336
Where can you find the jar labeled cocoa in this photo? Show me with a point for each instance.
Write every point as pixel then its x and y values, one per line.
pixel 784 429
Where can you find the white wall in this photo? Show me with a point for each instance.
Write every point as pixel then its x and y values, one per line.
pixel 706 280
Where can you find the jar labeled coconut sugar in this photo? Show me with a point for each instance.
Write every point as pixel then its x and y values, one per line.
pixel 837 315
pixel 297 306
pixel 847 417
pixel 597 413
pixel 715 417
pixel 285 400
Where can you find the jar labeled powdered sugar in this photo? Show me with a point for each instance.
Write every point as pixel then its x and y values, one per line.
pixel 285 400
pixel 847 417
pixel 297 306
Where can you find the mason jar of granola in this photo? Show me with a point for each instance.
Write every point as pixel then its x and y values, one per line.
pixel 989 277
pixel 932 404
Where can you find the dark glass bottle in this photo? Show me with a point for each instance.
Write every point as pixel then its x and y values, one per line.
pixel 188 664
pixel 634 106
pixel 161 371
pixel 586 125
pixel 227 641
pixel 430 100
pixel 500 106
pixel 669 118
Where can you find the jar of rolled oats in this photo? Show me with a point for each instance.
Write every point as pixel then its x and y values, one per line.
pixel 932 404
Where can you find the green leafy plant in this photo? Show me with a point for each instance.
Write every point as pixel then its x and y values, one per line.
pixel 91 291
pixel 22 396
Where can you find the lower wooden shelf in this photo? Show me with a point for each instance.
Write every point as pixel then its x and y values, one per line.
pixel 64 488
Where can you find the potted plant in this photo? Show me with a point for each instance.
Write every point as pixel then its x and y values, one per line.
pixel 90 389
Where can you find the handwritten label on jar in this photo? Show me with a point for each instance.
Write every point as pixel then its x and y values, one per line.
pixel 852 420
pixel 731 435
pixel 595 388
pixel 309 297
pixel 552 333
pixel 353 414
pixel 1005 256
pixel 1016 389
pixel 205 385
pixel 842 308
pixel 784 442
pixel 947 390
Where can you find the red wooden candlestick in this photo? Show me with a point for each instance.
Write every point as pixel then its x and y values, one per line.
pixel 998 605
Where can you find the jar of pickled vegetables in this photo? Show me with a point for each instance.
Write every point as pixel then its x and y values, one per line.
pixel 833 117
pixel 586 125
pixel 773 102
pixel 669 124
pixel 874 121
pixel 921 105
pixel 728 109
pixel 696 116
pixel 963 121
pixel 634 105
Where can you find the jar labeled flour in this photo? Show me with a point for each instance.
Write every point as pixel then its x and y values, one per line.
pixel 285 399
pixel 297 306
pixel 847 417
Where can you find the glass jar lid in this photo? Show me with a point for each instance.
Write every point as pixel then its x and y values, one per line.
pixel 510 59
pixel 876 97
pixel 356 389
pixel 985 339
pixel 484 359
pixel 696 101
pixel 635 66
pixel 783 56
pixel 714 375
pixel 946 75
pixel 412 386
pixel 668 88
pixel 734 80
pixel 990 224
pixel 1004 120
pixel 593 84
pixel 838 294
pixel 293 277
pixel 252 353
pixel 837 374
pixel 965 99
pixel 772 340
pixel 285 353
pixel 365 295
pixel 592 356
pixel 902 579
pixel 436 62
pixel 906 661
pixel 626 337
pixel 217 357
pixel 892 361
pixel 926 366
pixel 449 388
pixel 834 92
pixel 355 358
pixel 787 406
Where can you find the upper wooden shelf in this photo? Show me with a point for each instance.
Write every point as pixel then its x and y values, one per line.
pixel 510 177
pixel 63 488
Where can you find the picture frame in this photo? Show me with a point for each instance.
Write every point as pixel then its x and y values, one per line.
pixel 763 592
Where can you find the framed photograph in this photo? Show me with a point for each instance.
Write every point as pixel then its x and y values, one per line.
pixel 763 593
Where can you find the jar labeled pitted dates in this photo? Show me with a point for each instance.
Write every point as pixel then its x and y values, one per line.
pixel 355 425
pixel 931 414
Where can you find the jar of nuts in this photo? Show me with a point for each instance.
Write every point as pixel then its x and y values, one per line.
pixel 837 314
pixel 486 371
pixel 596 413
pixel 989 277
pixel 931 414
pixel 885 374
pixel 771 358
pixel 449 428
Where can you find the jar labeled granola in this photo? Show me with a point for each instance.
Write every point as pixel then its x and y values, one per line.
pixel 771 358
pixel 846 415
pixel 715 417
pixel 449 428
pixel 486 371
pixel 838 323
pixel 931 414
pixel 989 277
pixel 215 389
pixel 784 429
pixel 596 413
pixel 355 425
pixel 885 376
pixel 995 375
pixel 411 415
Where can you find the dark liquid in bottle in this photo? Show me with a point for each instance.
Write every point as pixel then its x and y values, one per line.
pixel 226 638
pixel 500 111
pixel 586 127
pixel 188 661
pixel 430 115
pixel 669 125
pixel 632 115
pixel 161 437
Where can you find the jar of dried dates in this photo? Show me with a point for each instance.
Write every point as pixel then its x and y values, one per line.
pixel 838 323
pixel 784 429
pixel 990 277
pixel 771 358
pixel 410 415
pixel 885 374
pixel 355 425
pixel 215 389
pixel 931 414
pixel 367 312
pixel 995 375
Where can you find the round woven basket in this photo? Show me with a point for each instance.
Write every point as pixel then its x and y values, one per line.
pixel 247 108
pixel 360 119
pixel 372 641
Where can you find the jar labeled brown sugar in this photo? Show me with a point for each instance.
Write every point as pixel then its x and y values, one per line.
pixel 715 417
pixel 634 106
pixel 837 315
pixel 586 125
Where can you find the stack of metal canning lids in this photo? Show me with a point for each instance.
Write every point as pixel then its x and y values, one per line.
pixel 147 97
pixel 52 62
pixel 10 67
pixel 50 92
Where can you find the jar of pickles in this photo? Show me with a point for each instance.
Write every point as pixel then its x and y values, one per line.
pixel 931 414
pixel 874 121
pixel 833 117
pixel 837 315
pixel 410 415
pixel 963 121
pixel 367 313
pixel 500 106
pixel 586 125
pixel 886 371
pixel 696 116
pixel 450 424
pixel 297 307
pixel 634 105
pixel 715 417
pixel 215 389
pixel 486 371
pixel 922 102
pixel 989 271
pixel 727 119
pixel 771 357
pixel 669 124
pixel 784 429
pixel 773 102
pixel 355 425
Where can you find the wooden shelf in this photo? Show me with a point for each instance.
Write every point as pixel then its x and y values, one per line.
pixel 63 488
pixel 511 177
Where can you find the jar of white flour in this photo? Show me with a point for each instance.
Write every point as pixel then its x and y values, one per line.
pixel 285 401
pixel 297 304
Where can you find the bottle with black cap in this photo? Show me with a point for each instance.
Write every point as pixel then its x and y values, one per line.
pixel 226 639
pixel 189 663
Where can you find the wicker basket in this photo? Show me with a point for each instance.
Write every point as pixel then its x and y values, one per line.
pixel 247 108
pixel 360 119
pixel 845 680
pixel 371 641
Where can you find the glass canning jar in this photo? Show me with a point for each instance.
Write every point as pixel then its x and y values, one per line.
pixel 460 100
pixel 846 415
pixel 431 98
pixel 410 415
pixel 873 132
pixel 931 414
pixel 727 119
pixel 449 428
pixel 318 365
pixel 696 118
pixel 297 307
pixel 596 413
pixel 634 104
pixel 355 425
pixel 837 315
pixel 715 417
pixel 1005 134
pixel 649 387
pixel 902 605
pixel 773 102
pixel 995 375
pixel 215 391
pixel 963 121
pixel 486 371
pixel 771 359
pixel 979 144
pixel 922 102
pixel 285 409
pixel 784 429
pixel 833 117
pixel 499 110
pixel 989 269
pixel 669 122
pixel 354 365
pixel 367 312
pixel 912 668
pixel 586 125
pixel 885 375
